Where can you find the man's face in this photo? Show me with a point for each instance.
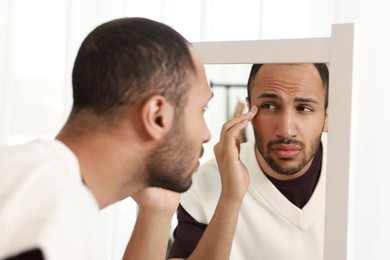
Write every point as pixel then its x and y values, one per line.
pixel 171 166
pixel 291 117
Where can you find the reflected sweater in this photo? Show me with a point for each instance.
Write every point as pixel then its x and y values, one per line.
pixel 269 225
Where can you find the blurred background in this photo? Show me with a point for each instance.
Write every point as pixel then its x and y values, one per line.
pixel 39 40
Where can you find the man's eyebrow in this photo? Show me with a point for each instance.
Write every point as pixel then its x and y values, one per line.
pixel 297 99
pixel 306 100
pixel 268 95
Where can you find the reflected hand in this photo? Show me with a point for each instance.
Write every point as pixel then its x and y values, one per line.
pixel 234 175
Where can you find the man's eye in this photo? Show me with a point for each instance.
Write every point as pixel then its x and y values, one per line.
pixel 268 106
pixel 304 108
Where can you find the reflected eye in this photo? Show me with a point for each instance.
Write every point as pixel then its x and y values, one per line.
pixel 268 106
pixel 304 108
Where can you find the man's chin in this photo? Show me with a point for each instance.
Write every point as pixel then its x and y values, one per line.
pixel 176 186
pixel 183 187
pixel 284 167
pixel 285 170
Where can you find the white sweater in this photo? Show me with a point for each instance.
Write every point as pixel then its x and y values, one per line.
pixel 45 205
pixel 270 227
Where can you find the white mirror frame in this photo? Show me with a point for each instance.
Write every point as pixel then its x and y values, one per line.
pixel 340 51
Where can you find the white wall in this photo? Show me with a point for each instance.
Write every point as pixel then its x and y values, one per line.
pixel 372 207
pixel 371 227
pixel 42 76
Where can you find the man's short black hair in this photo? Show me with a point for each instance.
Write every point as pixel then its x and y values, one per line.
pixel 125 61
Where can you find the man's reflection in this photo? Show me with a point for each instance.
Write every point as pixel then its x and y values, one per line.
pixel 265 200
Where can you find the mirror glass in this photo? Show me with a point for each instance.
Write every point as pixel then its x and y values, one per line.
pixel 229 85
pixel 228 82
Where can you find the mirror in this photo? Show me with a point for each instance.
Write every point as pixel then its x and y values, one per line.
pixel 339 50
pixel 228 82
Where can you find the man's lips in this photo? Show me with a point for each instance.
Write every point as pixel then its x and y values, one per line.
pixel 286 150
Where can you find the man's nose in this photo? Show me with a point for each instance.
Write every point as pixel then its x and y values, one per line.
pixel 206 135
pixel 286 128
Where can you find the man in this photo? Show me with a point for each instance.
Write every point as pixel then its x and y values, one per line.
pixel 136 129
pixel 275 208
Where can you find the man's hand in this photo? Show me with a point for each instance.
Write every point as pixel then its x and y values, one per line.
pixel 151 231
pixel 216 242
pixel 157 200
pixel 234 175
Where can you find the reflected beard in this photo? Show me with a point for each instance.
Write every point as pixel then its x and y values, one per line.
pixel 167 167
pixel 278 167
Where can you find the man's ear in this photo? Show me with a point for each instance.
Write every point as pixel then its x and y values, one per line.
pixel 325 128
pixel 157 116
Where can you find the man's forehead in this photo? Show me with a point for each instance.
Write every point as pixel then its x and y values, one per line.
pixel 299 71
pixel 294 76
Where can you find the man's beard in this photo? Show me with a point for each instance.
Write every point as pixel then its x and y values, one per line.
pixel 168 166
pixel 278 167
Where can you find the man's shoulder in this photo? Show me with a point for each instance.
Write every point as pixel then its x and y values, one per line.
pixel 26 157
pixel 40 197
pixel 38 159
pixel 40 174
